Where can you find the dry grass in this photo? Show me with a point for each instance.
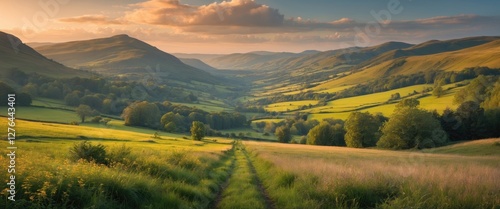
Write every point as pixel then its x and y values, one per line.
pixel 409 178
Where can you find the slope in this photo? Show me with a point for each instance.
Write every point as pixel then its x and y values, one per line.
pixel 485 54
pixel 122 54
pixel 247 61
pixel 430 47
pixel 196 63
pixel 16 55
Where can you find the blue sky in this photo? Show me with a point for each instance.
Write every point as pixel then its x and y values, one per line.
pixel 246 25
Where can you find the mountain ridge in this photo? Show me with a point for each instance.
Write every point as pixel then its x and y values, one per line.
pixel 122 54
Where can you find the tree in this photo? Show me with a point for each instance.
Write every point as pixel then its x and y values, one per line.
pixel 362 130
pixel 493 99
pixel 197 130
pixel 91 100
pixel 142 114
pixel 4 91
pixel 84 111
pixel 283 134
pixel 410 127
pixel 471 119
pixel 438 88
pixel 326 134
pixel 395 96
pixel 23 99
pixel 475 91
pixel 451 125
pixel 170 127
pixel 410 103
pixel 175 120
pixel 72 99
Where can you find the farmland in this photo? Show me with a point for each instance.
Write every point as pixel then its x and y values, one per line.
pixel 169 170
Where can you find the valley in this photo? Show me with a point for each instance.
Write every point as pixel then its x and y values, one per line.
pixel 117 123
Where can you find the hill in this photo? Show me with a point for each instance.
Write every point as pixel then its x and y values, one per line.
pixel 453 55
pixel 122 54
pixel 196 63
pixel 18 56
pixel 319 67
pixel 247 61
pixel 430 47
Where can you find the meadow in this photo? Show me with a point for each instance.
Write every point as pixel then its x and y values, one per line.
pixel 144 171
pixel 301 176
pixel 173 171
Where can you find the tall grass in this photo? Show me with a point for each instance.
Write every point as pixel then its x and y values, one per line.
pixel 328 177
pixel 182 178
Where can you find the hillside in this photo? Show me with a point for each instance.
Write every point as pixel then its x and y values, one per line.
pixel 16 55
pixel 122 54
pixel 430 47
pixel 196 63
pixel 471 54
pixel 247 61
pixel 320 67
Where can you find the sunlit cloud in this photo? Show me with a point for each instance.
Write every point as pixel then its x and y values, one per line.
pixel 93 19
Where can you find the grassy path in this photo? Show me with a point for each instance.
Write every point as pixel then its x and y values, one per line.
pixel 244 189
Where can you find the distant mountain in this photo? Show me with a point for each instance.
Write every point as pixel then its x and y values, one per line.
pixel 248 61
pixel 202 57
pixel 16 55
pixel 122 54
pixel 38 44
pixel 198 64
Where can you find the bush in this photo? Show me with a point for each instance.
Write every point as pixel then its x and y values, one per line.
pixel 75 123
pixel 96 119
pixel 86 151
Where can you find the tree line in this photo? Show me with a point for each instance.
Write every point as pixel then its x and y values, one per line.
pixel 178 118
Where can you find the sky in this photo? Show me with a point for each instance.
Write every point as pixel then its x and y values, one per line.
pixel 236 26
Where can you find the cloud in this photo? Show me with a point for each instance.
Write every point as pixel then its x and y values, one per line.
pixel 244 13
pixel 93 19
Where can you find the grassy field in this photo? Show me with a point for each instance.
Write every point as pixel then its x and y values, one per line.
pixel 376 103
pixel 43 114
pixel 171 171
pixel 155 173
pixel 301 176
pixel 289 106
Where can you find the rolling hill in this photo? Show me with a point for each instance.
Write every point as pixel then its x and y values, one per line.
pixel 16 55
pixel 199 64
pixel 430 47
pixel 461 54
pixel 247 61
pixel 122 54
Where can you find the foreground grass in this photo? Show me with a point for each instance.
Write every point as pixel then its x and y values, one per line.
pixel 156 173
pixel 298 176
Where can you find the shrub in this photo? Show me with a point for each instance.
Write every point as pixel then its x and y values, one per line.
pixel 86 151
pixel 96 119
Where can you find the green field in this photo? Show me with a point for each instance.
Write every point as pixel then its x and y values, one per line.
pixel 376 103
pixel 157 173
pixel 44 114
pixel 289 106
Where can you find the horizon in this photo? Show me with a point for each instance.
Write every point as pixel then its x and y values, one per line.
pixel 242 26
